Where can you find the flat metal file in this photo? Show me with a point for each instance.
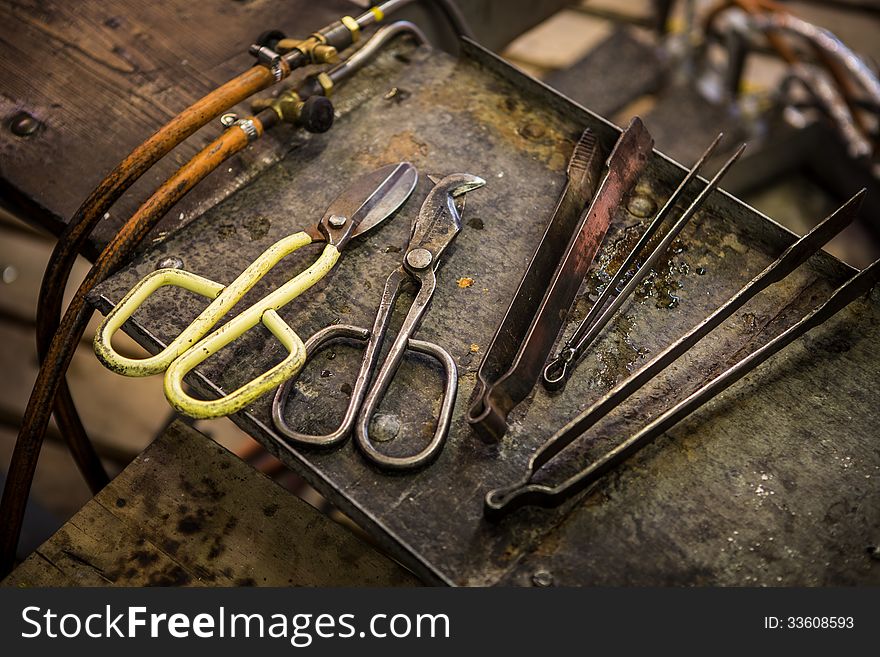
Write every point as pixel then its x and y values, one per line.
pixel 525 337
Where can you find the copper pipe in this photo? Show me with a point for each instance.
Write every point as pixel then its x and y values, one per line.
pixel 90 213
pixel 63 344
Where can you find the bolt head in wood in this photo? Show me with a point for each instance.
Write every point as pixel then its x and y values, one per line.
pixel 23 124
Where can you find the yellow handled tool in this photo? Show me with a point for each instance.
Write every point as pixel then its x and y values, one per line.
pixel 368 202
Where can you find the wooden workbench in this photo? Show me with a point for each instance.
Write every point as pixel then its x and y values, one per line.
pixel 188 513
pixel 776 482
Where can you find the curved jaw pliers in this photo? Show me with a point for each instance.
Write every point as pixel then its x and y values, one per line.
pixel 437 224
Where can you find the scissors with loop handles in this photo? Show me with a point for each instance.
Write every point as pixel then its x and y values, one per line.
pixel 367 202
pixel 437 224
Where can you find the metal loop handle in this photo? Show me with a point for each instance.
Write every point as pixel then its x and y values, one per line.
pixel 355 410
pixel 225 297
pixel 556 371
pixel 313 344
pixel 432 449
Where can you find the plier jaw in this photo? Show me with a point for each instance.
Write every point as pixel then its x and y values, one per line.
pixel 438 222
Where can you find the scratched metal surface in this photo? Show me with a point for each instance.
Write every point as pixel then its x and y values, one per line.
pixel 776 482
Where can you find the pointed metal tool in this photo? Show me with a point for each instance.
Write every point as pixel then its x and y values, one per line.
pixel 558 370
pixel 526 492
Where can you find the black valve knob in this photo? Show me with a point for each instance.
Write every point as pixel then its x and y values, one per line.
pixel 270 39
pixel 316 114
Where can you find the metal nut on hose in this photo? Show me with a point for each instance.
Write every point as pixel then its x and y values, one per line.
pixel 249 128
pixel 324 54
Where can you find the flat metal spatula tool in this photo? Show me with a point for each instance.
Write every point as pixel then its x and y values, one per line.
pixel 524 339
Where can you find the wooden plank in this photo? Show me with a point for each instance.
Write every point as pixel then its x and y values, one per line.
pixel 100 77
pixel 188 513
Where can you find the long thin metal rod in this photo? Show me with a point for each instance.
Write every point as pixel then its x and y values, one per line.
pixel 559 369
pixel 857 286
pixel 566 353
pixel 524 492
pixel 372 47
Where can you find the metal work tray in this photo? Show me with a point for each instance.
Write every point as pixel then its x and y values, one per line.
pixel 776 482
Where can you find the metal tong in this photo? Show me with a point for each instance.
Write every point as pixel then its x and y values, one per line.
pixel 558 370
pixel 437 224
pixel 501 501
pixel 525 337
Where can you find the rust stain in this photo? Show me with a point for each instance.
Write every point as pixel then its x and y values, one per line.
pixel 403 146
pixel 527 125
pixel 464 282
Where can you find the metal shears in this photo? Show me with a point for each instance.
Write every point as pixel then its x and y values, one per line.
pixel 436 225
pixel 367 202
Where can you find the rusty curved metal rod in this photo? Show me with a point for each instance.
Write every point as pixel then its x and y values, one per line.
pixel 63 345
pixel 526 492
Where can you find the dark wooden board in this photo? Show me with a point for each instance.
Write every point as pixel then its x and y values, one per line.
pixel 775 483
pixel 188 513
pixel 100 77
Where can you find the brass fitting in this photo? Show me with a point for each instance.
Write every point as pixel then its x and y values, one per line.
pixel 315 113
pixel 352 26
pixel 324 54
pixel 315 48
pixel 326 83
pixel 287 105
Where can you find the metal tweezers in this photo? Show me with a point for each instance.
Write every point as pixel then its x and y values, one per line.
pixel 524 339
pixel 527 492
pixel 558 370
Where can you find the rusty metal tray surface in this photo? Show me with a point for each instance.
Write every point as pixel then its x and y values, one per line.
pixel 773 483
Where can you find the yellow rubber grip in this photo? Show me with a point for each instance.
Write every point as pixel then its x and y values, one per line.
pixel 224 299
pixel 136 297
pixel 265 311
